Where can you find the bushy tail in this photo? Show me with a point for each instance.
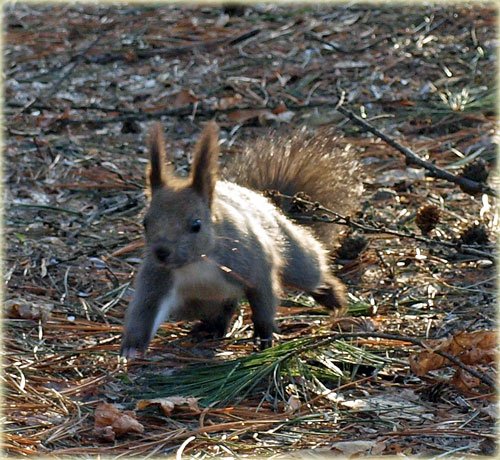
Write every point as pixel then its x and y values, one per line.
pixel 300 163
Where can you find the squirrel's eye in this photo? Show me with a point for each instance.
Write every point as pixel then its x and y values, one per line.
pixel 196 225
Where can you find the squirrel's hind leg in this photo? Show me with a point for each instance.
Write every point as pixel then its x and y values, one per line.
pixel 306 268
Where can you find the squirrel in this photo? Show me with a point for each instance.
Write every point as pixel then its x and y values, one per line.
pixel 210 242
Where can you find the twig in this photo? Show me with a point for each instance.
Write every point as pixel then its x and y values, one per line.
pixel 342 49
pixel 467 185
pixel 346 220
pixel 43 207
pixel 171 51
pixel 85 107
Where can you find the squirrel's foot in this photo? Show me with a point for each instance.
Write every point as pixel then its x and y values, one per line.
pixel 135 342
pixel 263 335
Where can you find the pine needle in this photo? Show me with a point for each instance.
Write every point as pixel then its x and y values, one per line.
pixel 220 383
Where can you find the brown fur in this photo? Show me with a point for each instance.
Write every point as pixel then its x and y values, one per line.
pixel 155 172
pixel 205 162
pixel 209 243
pixel 301 162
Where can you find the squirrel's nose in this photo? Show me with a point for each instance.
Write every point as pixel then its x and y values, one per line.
pixel 162 253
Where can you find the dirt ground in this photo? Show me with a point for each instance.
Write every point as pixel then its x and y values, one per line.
pixel 83 83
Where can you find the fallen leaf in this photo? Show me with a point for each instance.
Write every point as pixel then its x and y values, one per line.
pixel 467 344
pixel 282 117
pixel 105 433
pixel 184 97
pixel 393 176
pixel 47 120
pixel 426 361
pixel 280 109
pixel 22 310
pixel 130 56
pixel 110 422
pixel 168 405
pixel 491 410
pixel 465 382
pixel 305 454
pixel 350 64
pixel 350 324
pixel 471 348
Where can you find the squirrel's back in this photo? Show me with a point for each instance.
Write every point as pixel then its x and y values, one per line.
pixel 310 164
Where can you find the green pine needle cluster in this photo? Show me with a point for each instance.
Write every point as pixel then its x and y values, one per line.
pixel 304 360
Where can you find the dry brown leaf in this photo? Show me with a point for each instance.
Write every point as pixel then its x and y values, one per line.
pixel 465 382
pixel 264 116
pixel 18 309
pixel 426 361
pixel 184 97
pixel 105 433
pixel 66 115
pixel 466 342
pixel 478 356
pixel 405 103
pixel 169 404
pixel 130 56
pixel 111 422
pixel 471 348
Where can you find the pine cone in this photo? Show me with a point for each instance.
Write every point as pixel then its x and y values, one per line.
pixel 427 218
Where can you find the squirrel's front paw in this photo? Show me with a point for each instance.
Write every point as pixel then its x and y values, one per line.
pixel 133 344
pixel 263 333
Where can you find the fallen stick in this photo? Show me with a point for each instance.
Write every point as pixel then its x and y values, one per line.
pixel 171 51
pixel 467 185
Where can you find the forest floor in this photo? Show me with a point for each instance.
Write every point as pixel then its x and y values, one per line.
pixel 83 84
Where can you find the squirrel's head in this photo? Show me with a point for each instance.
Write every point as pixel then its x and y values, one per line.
pixel 178 222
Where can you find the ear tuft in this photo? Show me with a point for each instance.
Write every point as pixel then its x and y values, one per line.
pixel 155 173
pixel 206 155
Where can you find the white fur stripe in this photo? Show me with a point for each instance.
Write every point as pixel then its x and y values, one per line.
pixel 168 305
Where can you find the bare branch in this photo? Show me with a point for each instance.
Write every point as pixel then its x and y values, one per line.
pixel 467 185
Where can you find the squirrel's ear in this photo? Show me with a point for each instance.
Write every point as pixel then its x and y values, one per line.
pixel 155 173
pixel 206 155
